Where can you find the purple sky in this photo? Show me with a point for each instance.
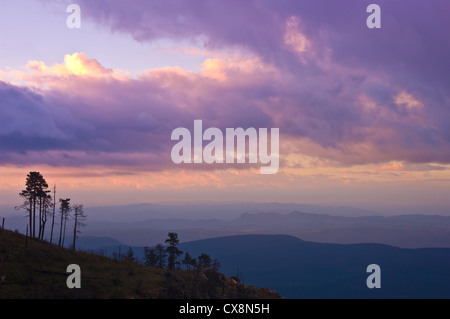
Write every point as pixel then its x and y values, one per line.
pixel 347 99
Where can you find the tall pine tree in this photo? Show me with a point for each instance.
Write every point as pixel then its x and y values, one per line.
pixel 64 211
pixel 35 197
pixel 172 250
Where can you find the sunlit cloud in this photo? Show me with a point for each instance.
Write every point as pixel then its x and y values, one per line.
pixel 350 112
pixel 407 101
pixel 294 38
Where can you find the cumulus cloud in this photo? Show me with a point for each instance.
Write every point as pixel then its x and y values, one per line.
pixel 336 89
pixel 76 63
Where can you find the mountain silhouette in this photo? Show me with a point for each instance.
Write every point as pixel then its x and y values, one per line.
pixel 301 269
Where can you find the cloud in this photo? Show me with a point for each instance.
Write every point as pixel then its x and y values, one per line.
pixel 294 38
pixel 23 115
pixel 337 90
pixel 407 101
pixel 321 112
pixel 79 118
pixel 264 27
pixel 77 64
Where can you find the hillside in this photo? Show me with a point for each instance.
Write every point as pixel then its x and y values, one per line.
pixel 302 269
pixel 38 270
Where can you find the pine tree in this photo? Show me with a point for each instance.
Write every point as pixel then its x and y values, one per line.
pixel 34 194
pixel 204 261
pixel 215 265
pixel 79 218
pixel 194 263
pixel 64 211
pixel 129 257
pixel 53 213
pixel 151 258
pixel 46 206
pixel 43 200
pixel 161 255
pixel 187 261
pixel 172 250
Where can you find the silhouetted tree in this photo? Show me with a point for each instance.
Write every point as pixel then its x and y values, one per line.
pixel 46 207
pixel 151 258
pixel 64 211
pixel 215 265
pixel 187 261
pixel 172 250
pixel 117 255
pixel 44 201
pixel 53 212
pixel 29 193
pixel 79 218
pixel 194 263
pixel 34 194
pixel 204 261
pixel 161 253
pixel 129 257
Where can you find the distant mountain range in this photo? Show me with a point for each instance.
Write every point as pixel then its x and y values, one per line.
pixel 205 210
pixel 302 269
pixel 262 245
pixel 140 226
pixel 407 231
pixel 146 224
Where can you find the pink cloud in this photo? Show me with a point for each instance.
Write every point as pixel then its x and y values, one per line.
pixel 327 82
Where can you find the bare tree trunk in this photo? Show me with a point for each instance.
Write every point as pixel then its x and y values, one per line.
pixel 44 220
pixel 40 216
pixel 54 209
pixel 34 217
pixel 60 229
pixel 64 232
pixel 31 208
pixel 75 231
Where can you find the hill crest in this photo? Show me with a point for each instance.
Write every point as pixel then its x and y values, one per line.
pixel 32 268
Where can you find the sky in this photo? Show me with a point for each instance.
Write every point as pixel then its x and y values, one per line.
pixel 363 113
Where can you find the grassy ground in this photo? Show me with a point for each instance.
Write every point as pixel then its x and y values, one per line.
pixel 36 269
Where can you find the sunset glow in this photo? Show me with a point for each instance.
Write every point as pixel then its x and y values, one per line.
pixel 358 126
